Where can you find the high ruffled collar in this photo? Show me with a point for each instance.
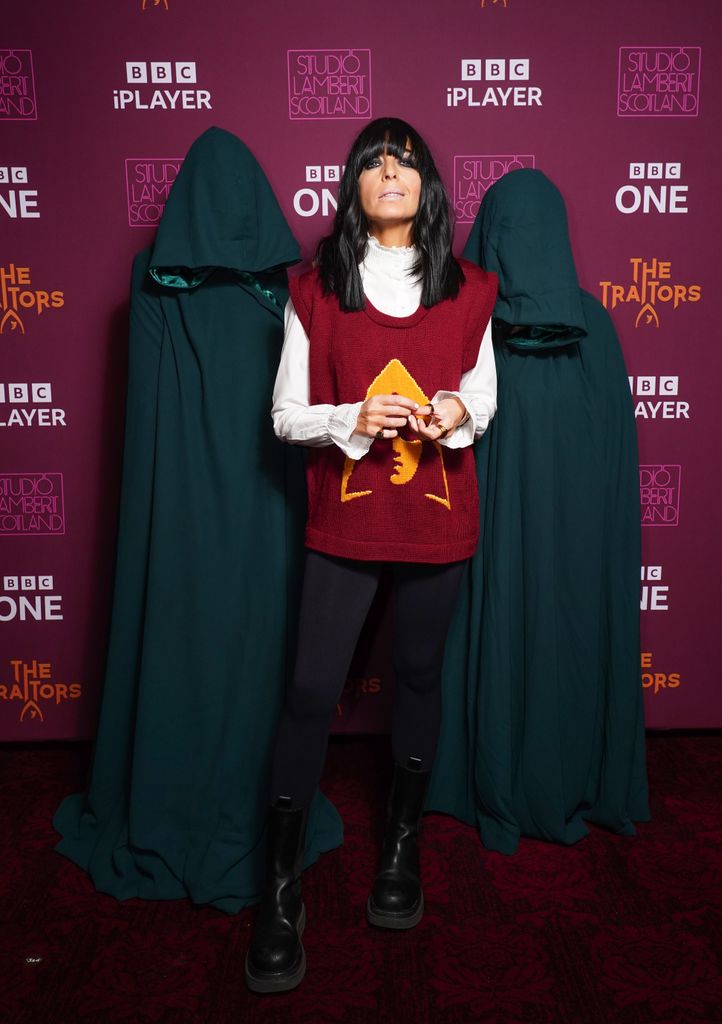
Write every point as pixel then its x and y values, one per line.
pixel 391 260
pixel 398 249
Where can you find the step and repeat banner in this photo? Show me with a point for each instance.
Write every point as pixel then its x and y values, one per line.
pixel 618 103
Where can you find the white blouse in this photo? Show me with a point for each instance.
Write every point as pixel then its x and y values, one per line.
pixel 386 281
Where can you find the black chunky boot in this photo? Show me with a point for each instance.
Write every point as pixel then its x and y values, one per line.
pixel 396 900
pixel 276 961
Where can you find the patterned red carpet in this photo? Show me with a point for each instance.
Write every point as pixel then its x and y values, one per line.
pixel 612 930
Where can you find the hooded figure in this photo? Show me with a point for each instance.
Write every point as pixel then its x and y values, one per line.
pixel 542 727
pixel 210 535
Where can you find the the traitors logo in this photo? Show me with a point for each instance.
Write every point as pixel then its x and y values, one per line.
pixel 18 298
pixel 656 681
pixel 651 289
pixel 30 684
pixel 17 86
pixel 148 182
pixel 658 81
pixel 473 175
pixel 659 487
pixel 355 690
pixel 329 84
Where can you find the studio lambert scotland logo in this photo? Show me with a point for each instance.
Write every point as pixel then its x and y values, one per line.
pixel 659 487
pixel 658 81
pixel 17 86
pixel 651 288
pixel 31 504
pixel 329 84
pixel 473 175
pixel 148 182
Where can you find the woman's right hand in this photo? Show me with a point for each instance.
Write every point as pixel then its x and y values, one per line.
pixel 385 413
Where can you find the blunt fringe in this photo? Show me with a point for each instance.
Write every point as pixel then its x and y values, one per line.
pixel 338 254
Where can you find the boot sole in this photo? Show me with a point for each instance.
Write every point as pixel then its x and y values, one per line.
pixel 397 921
pixel 281 982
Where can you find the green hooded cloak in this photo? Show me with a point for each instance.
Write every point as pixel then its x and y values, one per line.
pixel 543 724
pixel 209 549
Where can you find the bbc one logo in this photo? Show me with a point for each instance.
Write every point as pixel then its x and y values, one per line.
pixel 655 594
pixel 15 199
pixel 659 487
pixel 658 81
pixel 656 186
pixel 652 287
pixel 147 76
pixel 17 86
pixel 148 183
pixel 656 398
pixel 319 194
pixel 502 76
pixel 473 175
pixel 31 684
pixel 19 299
pixel 29 405
pixel 30 598
pixel 329 84
pixel 31 504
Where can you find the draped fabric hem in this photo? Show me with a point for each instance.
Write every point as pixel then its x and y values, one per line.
pixel 503 837
pixel 229 881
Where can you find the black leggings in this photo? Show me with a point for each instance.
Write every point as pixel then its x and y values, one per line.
pixel 335 599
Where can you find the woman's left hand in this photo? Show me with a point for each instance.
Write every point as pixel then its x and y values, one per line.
pixel 442 420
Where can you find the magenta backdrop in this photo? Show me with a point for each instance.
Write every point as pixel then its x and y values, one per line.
pixel 98 103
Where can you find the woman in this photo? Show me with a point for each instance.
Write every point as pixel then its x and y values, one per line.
pixel 376 333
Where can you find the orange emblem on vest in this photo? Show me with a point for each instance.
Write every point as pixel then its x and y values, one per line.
pixel 395 379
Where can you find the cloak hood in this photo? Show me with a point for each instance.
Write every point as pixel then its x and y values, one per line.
pixel 221 212
pixel 521 233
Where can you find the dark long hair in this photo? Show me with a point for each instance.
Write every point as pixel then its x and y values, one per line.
pixel 338 254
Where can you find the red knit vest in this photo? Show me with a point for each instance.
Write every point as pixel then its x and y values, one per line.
pixel 407 500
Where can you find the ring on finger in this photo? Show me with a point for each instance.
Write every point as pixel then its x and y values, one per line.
pixel 379 434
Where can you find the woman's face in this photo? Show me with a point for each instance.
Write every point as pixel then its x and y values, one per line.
pixel 389 190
